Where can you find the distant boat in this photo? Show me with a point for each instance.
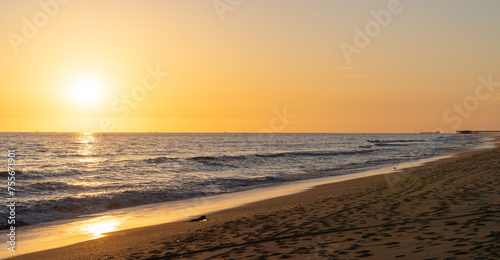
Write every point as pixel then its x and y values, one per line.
pixel 437 132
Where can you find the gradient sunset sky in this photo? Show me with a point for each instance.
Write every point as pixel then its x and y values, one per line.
pixel 68 66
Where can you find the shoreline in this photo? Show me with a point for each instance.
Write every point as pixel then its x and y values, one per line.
pixel 130 238
pixel 80 199
pixel 66 232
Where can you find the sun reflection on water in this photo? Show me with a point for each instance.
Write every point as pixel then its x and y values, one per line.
pixel 98 227
pixel 87 147
pixel 87 160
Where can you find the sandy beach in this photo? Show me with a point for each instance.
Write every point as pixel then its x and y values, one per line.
pixel 447 209
pixel 231 129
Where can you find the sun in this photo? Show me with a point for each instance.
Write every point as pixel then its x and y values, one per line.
pixel 87 90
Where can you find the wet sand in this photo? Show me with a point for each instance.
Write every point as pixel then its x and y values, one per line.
pixel 449 209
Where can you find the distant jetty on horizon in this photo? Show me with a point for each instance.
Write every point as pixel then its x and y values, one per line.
pixel 478 132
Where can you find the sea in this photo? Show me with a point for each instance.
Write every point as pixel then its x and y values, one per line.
pixel 67 175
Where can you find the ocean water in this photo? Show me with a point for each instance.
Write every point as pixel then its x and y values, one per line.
pixel 65 175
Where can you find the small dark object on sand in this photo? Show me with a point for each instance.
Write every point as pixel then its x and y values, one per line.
pixel 202 218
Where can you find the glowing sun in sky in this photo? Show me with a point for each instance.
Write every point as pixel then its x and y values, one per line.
pixel 87 90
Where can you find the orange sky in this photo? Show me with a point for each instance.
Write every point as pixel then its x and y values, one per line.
pixel 419 70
